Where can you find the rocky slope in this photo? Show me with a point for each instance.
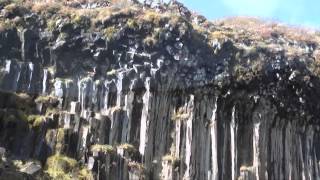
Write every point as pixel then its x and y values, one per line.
pixel 126 90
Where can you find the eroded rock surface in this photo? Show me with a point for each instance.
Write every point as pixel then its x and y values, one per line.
pixel 153 93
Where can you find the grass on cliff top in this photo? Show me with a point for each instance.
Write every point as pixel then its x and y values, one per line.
pixel 257 28
pixel 125 14
pixel 264 29
pixel 53 10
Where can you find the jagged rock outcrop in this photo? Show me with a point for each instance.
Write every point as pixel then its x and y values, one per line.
pixel 141 92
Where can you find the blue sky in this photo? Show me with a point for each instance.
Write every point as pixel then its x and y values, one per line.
pixel 294 12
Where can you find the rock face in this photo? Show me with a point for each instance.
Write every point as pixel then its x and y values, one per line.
pixel 154 96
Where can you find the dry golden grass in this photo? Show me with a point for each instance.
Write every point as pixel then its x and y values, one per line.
pixel 264 29
pixel 180 114
pixel 136 165
pixel 104 148
pixel 238 29
pixel 150 41
pixel 315 66
pixel 62 7
pixel 152 16
pixel 3 26
pixel 42 7
pixel 316 55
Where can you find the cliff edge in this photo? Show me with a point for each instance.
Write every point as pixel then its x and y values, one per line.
pixel 129 90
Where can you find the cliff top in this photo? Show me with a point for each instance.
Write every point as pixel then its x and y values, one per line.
pixel 155 26
pixel 99 10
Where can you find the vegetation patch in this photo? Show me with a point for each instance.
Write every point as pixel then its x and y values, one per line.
pixel 150 41
pixel 35 120
pixel 137 166
pixel 127 147
pixel 153 17
pixel 110 32
pixel 81 21
pixel 171 159
pixel 132 24
pixel 85 174
pixel 60 167
pixel 104 148
pixel 6 25
pixel 51 111
pixel 46 99
pixel 246 73
pixel 60 139
pixel 180 115
pixel 46 9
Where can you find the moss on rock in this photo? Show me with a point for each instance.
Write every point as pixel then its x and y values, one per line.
pixel 127 147
pixel 35 120
pixel 60 167
pixel 104 148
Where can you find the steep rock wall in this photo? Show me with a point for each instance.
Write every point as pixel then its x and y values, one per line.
pixel 182 110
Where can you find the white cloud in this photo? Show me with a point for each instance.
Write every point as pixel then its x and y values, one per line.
pixel 252 7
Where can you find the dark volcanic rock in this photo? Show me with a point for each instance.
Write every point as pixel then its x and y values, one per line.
pixel 152 91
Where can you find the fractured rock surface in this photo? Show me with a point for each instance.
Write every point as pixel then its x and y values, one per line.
pixel 127 106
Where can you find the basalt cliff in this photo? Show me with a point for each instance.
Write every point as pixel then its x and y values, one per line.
pixel 130 90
